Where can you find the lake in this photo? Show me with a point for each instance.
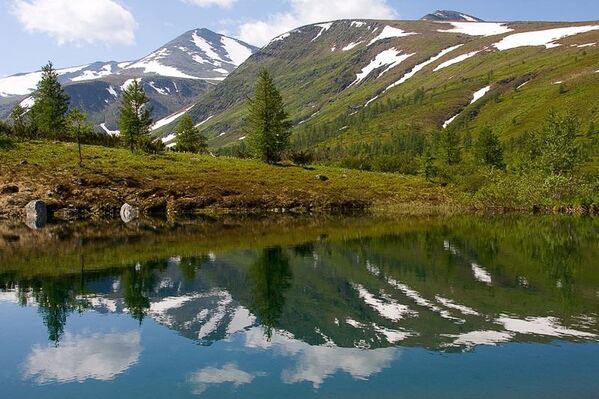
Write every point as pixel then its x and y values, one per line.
pixel 323 307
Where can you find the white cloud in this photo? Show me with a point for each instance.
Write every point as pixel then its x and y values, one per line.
pixel 315 364
pixel 210 3
pixel 305 12
pixel 81 21
pixel 78 358
pixel 229 373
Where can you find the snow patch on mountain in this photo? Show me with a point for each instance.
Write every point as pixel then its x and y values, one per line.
pixel 478 28
pixel 23 84
pixel 169 119
pixel 206 47
pixel 351 46
pixel 456 60
pixel 92 75
pixel 108 131
pixel 323 28
pixel 151 64
pixel 545 37
pixel 390 58
pixel 423 65
pixel 357 24
pixel 112 91
pixel 475 97
pixel 128 82
pixel 236 52
pixel 390 32
pixel 480 94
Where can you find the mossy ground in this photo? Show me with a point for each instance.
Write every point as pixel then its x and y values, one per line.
pixel 186 182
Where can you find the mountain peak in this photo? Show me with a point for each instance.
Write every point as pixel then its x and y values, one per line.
pixel 448 15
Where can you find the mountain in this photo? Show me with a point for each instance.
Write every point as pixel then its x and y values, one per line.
pixel 172 76
pixel 447 15
pixel 356 86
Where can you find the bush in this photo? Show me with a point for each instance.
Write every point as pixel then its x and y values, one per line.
pixel 301 157
pixel 151 146
pixel 403 164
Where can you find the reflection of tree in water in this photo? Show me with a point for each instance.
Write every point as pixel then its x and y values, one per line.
pixel 190 266
pixel 56 300
pixel 137 283
pixel 270 277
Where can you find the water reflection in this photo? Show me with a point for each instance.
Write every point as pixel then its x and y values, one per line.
pixel 95 356
pixel 324 307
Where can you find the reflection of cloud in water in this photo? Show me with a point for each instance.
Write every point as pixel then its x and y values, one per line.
pixel 98 357
pixel 317 363
pixel 229 373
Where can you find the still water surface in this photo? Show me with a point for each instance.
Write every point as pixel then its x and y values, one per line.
pixel 349 308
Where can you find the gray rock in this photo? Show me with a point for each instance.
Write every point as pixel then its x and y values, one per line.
pixel 36 214
pixel 129 213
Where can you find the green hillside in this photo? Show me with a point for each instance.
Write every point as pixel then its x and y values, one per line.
pixel 315 66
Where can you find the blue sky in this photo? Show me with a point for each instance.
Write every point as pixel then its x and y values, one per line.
pixel 74 32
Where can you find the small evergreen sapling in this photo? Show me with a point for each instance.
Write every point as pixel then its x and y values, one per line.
pixel 189 138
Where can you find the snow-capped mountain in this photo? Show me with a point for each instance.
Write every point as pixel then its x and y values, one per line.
pixel 448 15
pixel 173 76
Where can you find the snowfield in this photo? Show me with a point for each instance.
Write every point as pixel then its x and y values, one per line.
pixel 475 97
pixel 390 58
pixel 351 46
pixel 480 94
pixel 420 67
pixel 169 119
pixel 92 75
pixel 478 28
pixel 108 131
pixel 542 37
pixel 20 85
pixel 389 32
pixel 323 29
pixel 456 60
pixel 236 52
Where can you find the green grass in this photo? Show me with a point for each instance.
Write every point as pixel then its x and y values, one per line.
pixel 112 176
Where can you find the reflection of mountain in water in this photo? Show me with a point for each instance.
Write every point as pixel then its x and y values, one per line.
pixel 443 288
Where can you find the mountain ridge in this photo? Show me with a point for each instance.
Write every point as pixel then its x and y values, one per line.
pixel 173 76
pixel 343 82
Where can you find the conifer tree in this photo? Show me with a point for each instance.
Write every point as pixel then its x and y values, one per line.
pixel 20 122
pixel 489 149
pixel 452 153
pixel 269 126
pixel 427 162
pixel 134 120
pixel 51 104
pixel 78 127
pixel 189 138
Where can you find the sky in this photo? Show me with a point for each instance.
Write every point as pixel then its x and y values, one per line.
pixel 77 32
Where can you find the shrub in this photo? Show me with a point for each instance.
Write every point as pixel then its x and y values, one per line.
pixel 301 157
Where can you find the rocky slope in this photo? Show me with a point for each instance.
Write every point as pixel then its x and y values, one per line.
pixel 354 82
pixel 172 76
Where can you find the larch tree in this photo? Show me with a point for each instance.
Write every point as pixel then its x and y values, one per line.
pixel 489 150
pixel 78 127
pixel 134 120
pixel 51 104
pixel 269 126
pixel 189 138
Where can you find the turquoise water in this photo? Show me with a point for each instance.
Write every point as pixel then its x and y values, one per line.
pixel 502 308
